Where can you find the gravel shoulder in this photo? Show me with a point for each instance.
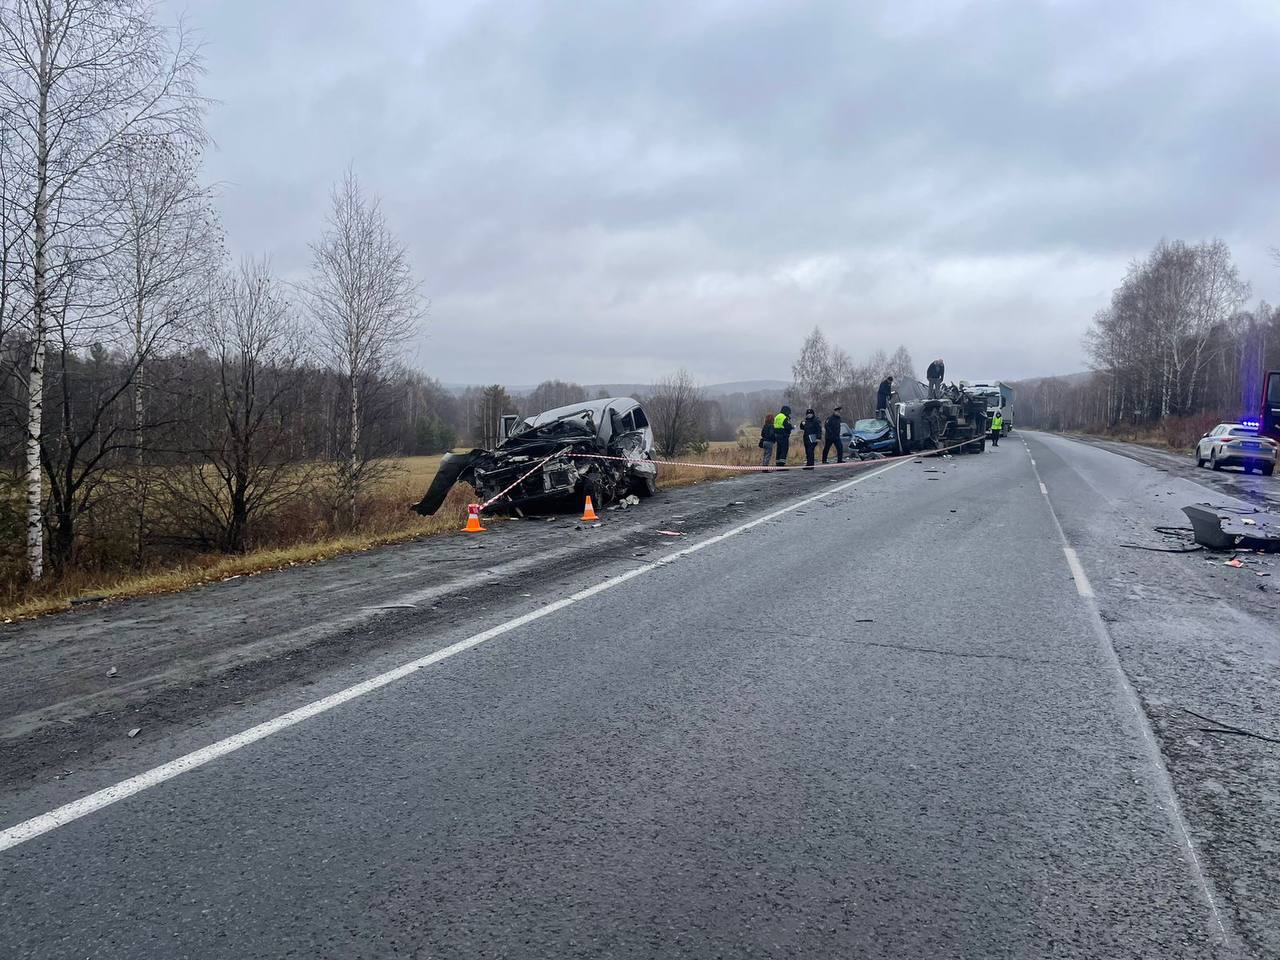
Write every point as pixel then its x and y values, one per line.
pixel 1197 639
pixel 1250 488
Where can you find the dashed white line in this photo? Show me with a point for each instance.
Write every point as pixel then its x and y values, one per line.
pixel 1043 488
pixel 1083 587
pixel 29 829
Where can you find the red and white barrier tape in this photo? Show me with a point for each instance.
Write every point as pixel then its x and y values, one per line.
pixel 524 476
pixel 742 468
pixel 773 467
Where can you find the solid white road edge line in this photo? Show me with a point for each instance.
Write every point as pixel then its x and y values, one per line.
pixel 1163 781
pixel 29 829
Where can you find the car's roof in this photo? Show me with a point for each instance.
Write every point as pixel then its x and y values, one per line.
pixel 1240 426
pixel 595 407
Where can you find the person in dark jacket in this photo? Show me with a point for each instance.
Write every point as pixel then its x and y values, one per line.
pixel 883 393
pixel 935 374
pixel 766 440
pixel 834 422
pixel 811 430
pixel 782 427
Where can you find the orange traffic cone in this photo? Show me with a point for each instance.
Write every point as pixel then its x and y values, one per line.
pixel 473 519
pixel 588 511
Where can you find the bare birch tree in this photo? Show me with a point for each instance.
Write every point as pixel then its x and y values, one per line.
pixel 79 78
pixel 247 455
pixel 365 303
pixel 169 244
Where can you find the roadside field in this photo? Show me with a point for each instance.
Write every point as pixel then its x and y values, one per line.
pixel 385 519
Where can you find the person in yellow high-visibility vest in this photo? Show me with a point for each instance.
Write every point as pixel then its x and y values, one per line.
pixel 782 427
pixel 997 428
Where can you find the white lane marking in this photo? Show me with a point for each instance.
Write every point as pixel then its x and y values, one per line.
pixel 1043 488
pixel 29 829
pixel 1164 782
pixel 1083 587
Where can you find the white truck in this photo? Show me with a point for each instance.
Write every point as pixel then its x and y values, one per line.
pixel 999 397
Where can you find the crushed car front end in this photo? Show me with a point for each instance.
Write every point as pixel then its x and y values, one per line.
pixel 596 450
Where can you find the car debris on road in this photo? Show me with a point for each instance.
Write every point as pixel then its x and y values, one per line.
pixel 1221 527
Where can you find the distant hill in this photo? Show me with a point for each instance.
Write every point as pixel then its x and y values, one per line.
pixel 1069 379
pixel 712 390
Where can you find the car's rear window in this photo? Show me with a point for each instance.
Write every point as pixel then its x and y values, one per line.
pixel 1242 432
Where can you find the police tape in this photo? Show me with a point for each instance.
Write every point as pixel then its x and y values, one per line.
pixel 740 468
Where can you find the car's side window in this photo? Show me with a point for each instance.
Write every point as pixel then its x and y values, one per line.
pixel 641 420
pixel 626 424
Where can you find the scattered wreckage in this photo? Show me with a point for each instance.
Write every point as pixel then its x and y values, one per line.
pixel 600 448
pixel 1221 527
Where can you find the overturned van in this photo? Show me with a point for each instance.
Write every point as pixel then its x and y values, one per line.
pixel 598 448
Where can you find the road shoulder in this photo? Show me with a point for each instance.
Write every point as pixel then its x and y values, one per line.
pixel 1198 642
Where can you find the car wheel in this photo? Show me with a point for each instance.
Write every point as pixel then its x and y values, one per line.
pixel 644 486
pixel 1199 459
pixel 1268 469
pixel 593 487
pixel 1213 460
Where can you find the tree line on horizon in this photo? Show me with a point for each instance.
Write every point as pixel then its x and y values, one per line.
pixel 1175 349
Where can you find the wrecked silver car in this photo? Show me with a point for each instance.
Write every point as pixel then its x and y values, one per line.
pixel 558 455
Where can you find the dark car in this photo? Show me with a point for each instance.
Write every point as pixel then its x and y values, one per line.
pixel 598 448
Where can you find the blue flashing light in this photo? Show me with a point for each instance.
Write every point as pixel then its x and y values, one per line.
pixel 1253 424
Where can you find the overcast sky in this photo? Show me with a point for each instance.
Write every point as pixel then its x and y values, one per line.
pixel 603 192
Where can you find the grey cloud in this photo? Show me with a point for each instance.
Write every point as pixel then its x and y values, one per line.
pixel 709 180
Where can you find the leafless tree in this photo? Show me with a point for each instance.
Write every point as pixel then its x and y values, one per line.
pixel 900 365
pixel 247 459
pixel 676 413
pixel 168 245
pixel 554 393
pixel 78 78
pixel 489 405
pixel 816 371
pixel 366 303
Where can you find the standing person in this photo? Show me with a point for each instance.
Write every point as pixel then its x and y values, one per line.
pixel 834 422
pixel 935 374
pixel 883 393
pixel 766 440
pixel 782 427
pixel 811 430
pixel 997 428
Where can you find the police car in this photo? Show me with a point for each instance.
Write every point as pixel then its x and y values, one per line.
pixel 1237 445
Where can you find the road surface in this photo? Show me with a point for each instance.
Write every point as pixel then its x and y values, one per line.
pixel 929 713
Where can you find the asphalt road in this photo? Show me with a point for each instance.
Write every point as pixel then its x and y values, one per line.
pixel 884 724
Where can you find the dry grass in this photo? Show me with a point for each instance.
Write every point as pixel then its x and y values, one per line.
pixel 1171 433
pixel 385 519
pixel 721 453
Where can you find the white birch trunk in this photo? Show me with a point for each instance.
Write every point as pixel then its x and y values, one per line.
pixel 353 452
pixel 35 382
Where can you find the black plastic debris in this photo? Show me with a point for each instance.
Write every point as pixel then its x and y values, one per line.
pixel 1221 527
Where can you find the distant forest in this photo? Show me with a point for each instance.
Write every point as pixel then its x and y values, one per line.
pixel 1174 351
